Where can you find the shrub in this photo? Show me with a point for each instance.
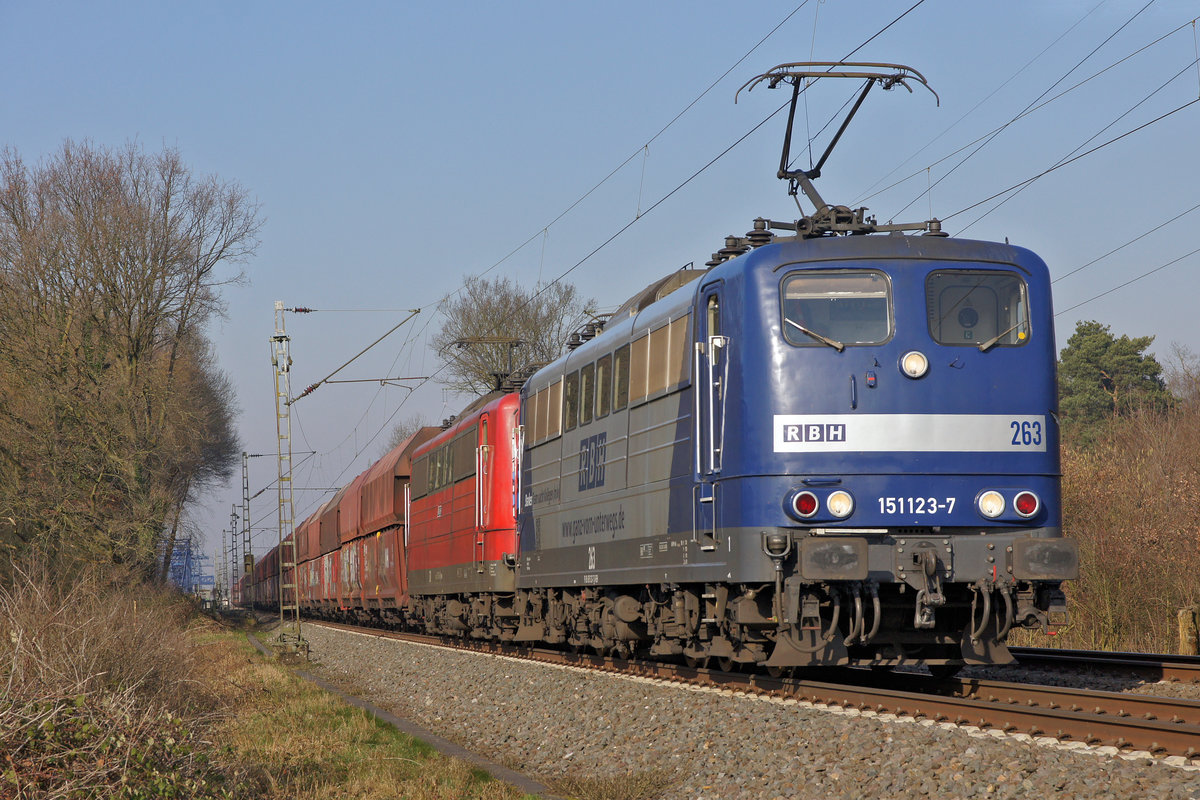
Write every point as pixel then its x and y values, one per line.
pixel 97 696
pixel 1131 499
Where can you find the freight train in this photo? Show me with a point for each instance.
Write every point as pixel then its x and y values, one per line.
pixel 827 448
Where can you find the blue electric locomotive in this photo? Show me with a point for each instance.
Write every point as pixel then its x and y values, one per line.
pixel 825 449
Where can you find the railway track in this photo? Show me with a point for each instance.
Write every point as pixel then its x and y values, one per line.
pixel 1153 666
pixel 1161 726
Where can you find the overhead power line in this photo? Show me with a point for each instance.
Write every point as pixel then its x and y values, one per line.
pixel 315 386
pixel 541 230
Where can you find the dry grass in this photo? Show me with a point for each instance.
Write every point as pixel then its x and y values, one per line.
pixel 289 739
pixel 96 699
pixel 638 786
pixel 1132 501
pixel 107 692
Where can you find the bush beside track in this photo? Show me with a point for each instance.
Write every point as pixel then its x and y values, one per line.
pixel 108 693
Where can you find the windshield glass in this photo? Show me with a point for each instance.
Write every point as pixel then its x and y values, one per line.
pixel 837 308
pixel 981 309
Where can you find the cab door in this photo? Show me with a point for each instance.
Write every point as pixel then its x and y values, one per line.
pixel 709 393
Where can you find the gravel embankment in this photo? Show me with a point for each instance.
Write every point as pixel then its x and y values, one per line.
pixel 549 721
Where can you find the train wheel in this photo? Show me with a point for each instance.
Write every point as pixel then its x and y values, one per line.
pixel 696 663
pixel 726 664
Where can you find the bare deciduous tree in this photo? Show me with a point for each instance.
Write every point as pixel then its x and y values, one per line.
pixel 404 429
pixel 114 414
pixel 488 319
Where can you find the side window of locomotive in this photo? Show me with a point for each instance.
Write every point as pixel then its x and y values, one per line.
pixel 837 308
pixel 571 401
pixel 975 307
pixel 420 477
pixel 621 370
pixel 587 393
pixel 463 454
pixel 445 466
pixel 604 386
pixel 554 410
pixel 714 325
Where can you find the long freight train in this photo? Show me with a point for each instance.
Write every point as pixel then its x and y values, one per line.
pixel 823 450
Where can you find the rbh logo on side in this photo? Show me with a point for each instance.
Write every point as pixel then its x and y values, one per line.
pixel 815 432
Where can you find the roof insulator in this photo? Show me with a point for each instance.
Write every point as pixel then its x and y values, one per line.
pixel 760 235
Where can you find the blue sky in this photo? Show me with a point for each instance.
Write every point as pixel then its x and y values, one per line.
pixel 398 147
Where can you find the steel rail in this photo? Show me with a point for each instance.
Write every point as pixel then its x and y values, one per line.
pixel 1157 666
pixel 1158 725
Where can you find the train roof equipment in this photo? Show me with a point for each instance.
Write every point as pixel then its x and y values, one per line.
pixel 826 219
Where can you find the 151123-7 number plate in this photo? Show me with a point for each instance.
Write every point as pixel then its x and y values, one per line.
pixel 916 505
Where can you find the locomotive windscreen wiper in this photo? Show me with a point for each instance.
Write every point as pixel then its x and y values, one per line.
pixel 834 343
pixel 990 343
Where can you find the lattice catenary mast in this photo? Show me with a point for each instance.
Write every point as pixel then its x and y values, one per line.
pixel 289 607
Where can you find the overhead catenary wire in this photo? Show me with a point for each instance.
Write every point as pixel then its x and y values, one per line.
pixel 412 313
pixel 868 192
pixel 1092 138
pixel 593 252
pixel 1137 238
pixel 427 321
pixel 1084 154
pixel 988 140
pixel 643 149
pixel 637 218
pixel 1130 281
pixel 1030 111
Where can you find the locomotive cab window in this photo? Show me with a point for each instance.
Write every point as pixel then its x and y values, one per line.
pixel 978 308
pixel 837 308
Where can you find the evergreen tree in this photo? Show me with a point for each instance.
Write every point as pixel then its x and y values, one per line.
pixel 1101 376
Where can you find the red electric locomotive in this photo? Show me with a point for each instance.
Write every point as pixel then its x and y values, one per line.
pixel 463 536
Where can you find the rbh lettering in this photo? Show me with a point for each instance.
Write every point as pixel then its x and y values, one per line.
pixel 592 451
pixel 815 432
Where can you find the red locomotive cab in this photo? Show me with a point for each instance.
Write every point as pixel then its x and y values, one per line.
pixel 463 535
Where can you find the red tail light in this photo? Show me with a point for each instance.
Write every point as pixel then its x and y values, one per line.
pixel 805 504
pixel 1026 504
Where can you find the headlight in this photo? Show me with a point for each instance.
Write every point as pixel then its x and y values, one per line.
pixel 840 504
pixel 914 364
pixel 991 504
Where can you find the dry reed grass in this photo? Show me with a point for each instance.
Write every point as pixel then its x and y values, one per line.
pixel 1132 501
pixel 97 696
